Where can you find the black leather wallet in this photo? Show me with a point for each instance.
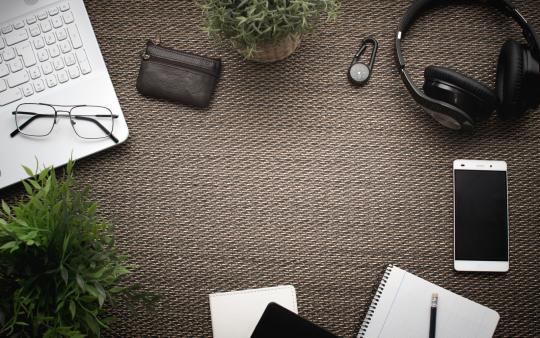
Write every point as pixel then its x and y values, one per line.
pixel 179 76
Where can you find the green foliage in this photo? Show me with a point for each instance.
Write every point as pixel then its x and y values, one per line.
pixel 58 263
pixel 249 22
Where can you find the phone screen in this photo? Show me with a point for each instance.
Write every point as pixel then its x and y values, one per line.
pixel 481 215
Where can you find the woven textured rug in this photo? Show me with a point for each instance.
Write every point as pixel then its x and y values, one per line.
pixel 293 176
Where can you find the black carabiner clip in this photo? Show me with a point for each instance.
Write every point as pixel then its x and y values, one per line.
pixel 359 73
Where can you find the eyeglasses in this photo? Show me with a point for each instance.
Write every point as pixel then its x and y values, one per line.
pixel 88 122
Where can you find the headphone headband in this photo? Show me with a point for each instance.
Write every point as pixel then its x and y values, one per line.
pixel 419 6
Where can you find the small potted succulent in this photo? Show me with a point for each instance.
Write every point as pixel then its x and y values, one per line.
pixel 265 30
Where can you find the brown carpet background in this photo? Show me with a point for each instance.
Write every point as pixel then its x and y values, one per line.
pixel 293 176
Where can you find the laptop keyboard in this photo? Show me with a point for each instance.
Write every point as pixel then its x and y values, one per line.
pixel 40 51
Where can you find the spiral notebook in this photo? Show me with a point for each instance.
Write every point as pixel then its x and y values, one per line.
pixel 401 308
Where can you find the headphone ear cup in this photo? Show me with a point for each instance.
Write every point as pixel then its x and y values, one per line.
pixel 510 80
pixel 470 96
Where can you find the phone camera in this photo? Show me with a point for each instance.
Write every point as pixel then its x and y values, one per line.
pixel 463 165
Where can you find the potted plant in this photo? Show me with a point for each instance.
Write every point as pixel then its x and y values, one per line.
pixel 265 30
pixel 58 263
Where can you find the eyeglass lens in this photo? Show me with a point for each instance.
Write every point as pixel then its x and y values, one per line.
pixel 92 122
pixel 35 119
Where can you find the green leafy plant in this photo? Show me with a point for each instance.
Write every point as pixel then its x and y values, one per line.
pixel 58 263
pixel 249 22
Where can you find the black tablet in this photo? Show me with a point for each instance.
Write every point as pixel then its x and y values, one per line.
pixel 278 321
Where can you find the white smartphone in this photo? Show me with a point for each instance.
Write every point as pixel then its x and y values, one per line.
pixel 481 228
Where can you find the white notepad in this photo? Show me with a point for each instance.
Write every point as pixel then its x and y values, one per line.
pixel 236 314
pixel 401 308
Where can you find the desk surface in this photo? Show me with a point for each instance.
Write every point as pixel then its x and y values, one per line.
pixel 293 176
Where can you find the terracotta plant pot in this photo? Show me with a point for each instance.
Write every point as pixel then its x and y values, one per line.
pixel 276 51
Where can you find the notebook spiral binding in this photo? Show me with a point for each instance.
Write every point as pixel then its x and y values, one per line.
pixel 374 303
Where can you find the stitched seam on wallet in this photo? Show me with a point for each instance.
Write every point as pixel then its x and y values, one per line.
pixel 207 60
pixel 197 65
pixel 182 68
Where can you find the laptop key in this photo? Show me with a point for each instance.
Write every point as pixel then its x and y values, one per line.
pixel 10 96
pixel 49 38
pixel 18 24
pixel 53 11
pixel 27 89
pixel 2 44
pixel 6 29
pixel 16 37
pixel 65 47
pixel 81 55
pixel 64 6
pixel 85 67
pixel 58 63
pixel 25 51
pixel 54 51
pixel 51 80
pixel 34 30
pixel 45 26
pixel 63 76
pixel 61 34
pixel 42 55
pixel 57 22
pixel 3 85
pixel 31 19
pixel 34 72
pixel 39 85
pixel 38 43
pixel 18 78
pixel 47 68
pixel 9 54
pixel 83 61
pixel 68 17
pixel 74 72
pixel 3 70
pixel 42 15
pixel 73 33
pixel 70 59
pixel 15 65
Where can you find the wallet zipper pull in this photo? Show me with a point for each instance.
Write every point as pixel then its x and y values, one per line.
pixel 156 41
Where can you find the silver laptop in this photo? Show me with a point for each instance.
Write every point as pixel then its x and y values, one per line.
pixel 56 98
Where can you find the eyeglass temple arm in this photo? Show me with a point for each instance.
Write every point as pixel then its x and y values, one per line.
pixel 22 126
pixel 107 132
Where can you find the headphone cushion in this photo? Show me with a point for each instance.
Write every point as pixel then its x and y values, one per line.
pixel 485 94
pixel 510 80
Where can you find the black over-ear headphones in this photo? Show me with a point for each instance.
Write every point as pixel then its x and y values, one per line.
pixel 457 101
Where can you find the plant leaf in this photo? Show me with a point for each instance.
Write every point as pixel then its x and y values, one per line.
pixel 65 244
pixel 91 322
pixel 80 282
pixel 91 290
pixel 27 187
pixel 72 308
pixel 28 171
pixel 9 245
pixel 64 274
pixel 101 294
pixel 5 208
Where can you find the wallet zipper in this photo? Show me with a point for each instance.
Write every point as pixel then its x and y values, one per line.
pixel 147 57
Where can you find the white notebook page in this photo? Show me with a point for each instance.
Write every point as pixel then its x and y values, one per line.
pixel 403 310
